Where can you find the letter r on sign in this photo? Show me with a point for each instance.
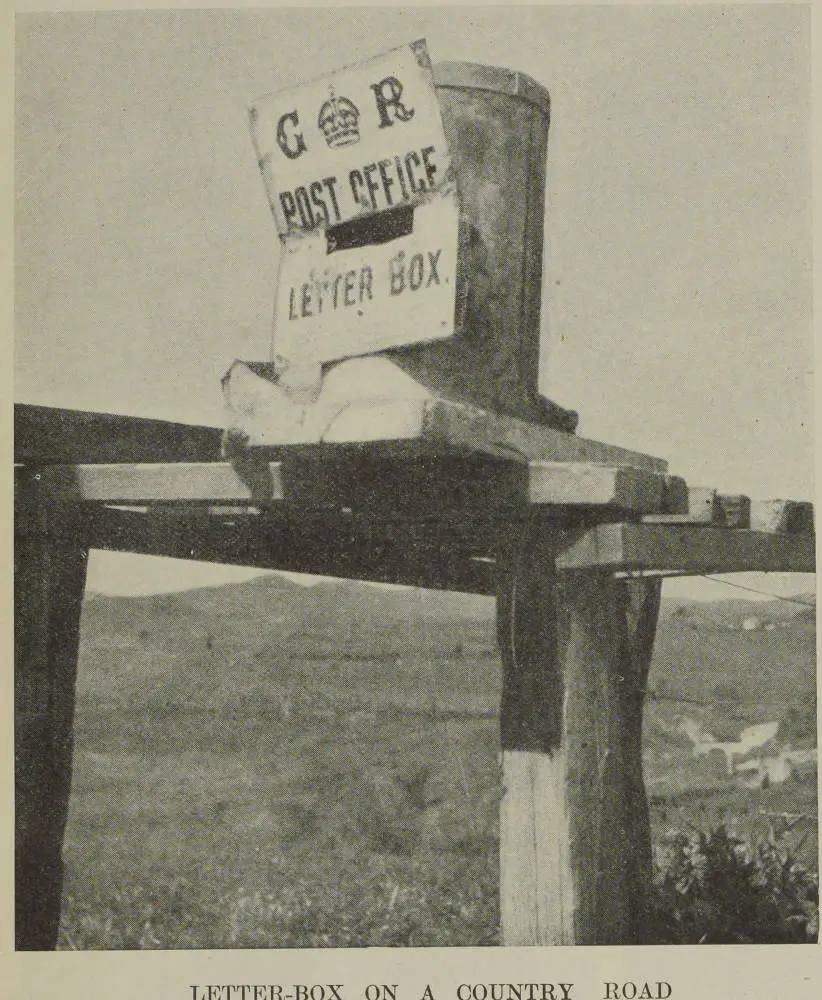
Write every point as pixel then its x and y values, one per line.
pixel 387 94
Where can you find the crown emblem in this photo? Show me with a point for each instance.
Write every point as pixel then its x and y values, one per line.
pixel 338 121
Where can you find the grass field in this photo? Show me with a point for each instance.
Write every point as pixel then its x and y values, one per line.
pixel 267 766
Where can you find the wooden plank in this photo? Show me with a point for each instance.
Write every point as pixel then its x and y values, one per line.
pixel 461 426
pixel 49 578
pixel 341 546
pixel 369 400
pixel 736 510
pixel 703 506
pixel 363 478
pixel 688 549
pixel 789 517
pixel 45 434
pixel 135 483
pixel 591 484
pixel 402 479
pixel 537 889
pixel 385 475
pixel 675 497
pixel 332 476
pixel 416 555
pixel 575 855
pixel 706 506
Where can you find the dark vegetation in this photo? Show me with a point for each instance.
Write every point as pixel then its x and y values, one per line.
pixel 262 765
pixel 713 888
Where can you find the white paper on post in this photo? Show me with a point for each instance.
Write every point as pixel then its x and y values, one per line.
pixel 359 178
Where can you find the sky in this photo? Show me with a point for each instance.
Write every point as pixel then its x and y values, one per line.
pixel 677 279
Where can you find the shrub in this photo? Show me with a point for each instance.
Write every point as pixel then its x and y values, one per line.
pixel 715 888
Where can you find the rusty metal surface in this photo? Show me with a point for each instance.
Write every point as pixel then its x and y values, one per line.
pixel 497 129
pixel 503 81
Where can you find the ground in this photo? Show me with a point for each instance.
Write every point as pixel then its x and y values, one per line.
pixel 263 765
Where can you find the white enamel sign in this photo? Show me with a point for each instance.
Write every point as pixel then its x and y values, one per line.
pixel 365 299
pixel 359 177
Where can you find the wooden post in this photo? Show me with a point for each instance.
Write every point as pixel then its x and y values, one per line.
pixel 49 577
pixel 575 851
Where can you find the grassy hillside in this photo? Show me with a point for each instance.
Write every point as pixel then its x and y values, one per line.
pixel 263 765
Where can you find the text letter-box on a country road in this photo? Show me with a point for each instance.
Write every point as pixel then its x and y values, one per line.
pixel 360 181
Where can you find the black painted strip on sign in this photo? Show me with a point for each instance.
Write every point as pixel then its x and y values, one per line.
pixel 372 229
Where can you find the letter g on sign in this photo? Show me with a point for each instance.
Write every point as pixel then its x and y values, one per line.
pixel 289 140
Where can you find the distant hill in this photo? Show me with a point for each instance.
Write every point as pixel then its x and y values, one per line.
pixel 801 608
pixel 348 619
pixel 341 615
pixel 328 600
pixel 274 594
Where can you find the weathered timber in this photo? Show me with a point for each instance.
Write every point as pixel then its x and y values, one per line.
pixel 469 427
pixel 49 578
pixel 368 399
pixel 45 434
pixel 422 554
pixel 701 507
pixel 472 489
pixel 386 478
pixel 575 853
pixel 788 517
pixel 132 483
pixel 376 478
pixel 688 549
pixel 675 495
pixel 736 510
pixel 706 506
pixel 568 483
